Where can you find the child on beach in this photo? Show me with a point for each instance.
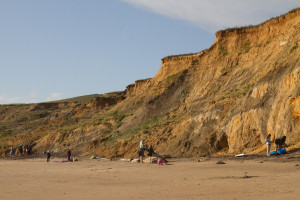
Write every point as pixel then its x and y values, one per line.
pixel 268 141
pixel 162 161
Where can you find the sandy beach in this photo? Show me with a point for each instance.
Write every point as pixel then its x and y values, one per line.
pixel 239 178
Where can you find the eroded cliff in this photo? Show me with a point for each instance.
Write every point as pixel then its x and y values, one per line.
pixel 225 99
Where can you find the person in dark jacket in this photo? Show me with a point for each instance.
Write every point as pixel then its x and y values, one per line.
pixel 20 149
pixel 69 155
pixel 279 142
pixel 48 155
pixel 150 152
pixel 29 149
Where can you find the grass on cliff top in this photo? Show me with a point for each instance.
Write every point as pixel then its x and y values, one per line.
pixel 86 98
pixel 178 55
pixel 252 26
pixel 81 99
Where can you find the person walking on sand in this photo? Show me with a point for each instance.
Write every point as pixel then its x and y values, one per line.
pixel 48 155
pixel 268 141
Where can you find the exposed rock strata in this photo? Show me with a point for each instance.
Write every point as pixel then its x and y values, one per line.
pixel 225 99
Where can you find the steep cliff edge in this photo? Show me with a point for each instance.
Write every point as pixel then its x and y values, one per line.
pixel 225 99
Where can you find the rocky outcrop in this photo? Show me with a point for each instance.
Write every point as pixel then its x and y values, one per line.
pixel 138 86
pixel 107 100
pixel 296 105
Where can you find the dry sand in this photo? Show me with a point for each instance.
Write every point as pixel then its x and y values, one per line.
pixel 242 178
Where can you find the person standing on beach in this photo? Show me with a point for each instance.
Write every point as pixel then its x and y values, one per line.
pixel 150 153
pixel 24 150
pixel 29 149
pixel 69 155
pixel 141 154
pixel 268 141
pixel 48 155
pixel 12 151
pixel 141 151
pixel 20 149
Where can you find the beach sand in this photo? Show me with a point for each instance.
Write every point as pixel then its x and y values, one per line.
pixel 239 178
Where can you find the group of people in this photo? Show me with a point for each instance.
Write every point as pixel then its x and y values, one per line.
pixel 279 142
pixel 149 149
pixel 142 149
pixel 23 150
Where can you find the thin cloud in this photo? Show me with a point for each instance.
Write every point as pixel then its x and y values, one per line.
pixel 32 95
pixel 4 99
pixel 29 98
pixel 54 96
pixel 213 15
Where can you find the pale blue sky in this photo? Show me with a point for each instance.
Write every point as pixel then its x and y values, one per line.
pixel 53 49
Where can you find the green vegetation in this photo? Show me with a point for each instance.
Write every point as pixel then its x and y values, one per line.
pixel 23 119
pixel 172 78
pixel 5 129
pixel 106 119
pixel 179 55
pixel 246 47
pixel 214 88
pixel 152 99
pixel 182 94
pixel 237 28
pixel 118 118
pixel 6 133
pixel 150 123
pixel 294 48
pixel 223 51
pixel 143 127
pixel 238 92
pixel 81 99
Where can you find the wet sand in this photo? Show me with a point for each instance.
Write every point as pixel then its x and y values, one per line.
pixel 263 178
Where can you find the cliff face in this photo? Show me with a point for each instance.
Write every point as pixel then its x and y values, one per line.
pixel 225 99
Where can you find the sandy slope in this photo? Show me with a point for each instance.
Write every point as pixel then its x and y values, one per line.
pixel 35 179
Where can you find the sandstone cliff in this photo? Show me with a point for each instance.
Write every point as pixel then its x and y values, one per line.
pixel 225 99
